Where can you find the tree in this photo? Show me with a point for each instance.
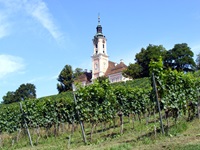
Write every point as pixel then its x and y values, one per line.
pixel 198 61
pixel 9 97
pixel 25 91
pixel 133 71
pixel 77 72
pixel 102 79
pixel 152 52
pixel 180 58
pixel 66 79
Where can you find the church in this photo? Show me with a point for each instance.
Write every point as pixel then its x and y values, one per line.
pixel 101 65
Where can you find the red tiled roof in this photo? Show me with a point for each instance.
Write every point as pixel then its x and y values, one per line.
pixel 114 68
pixel 86 76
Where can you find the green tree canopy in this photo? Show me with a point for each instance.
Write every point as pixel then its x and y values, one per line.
pixel 133 71
pixel 141 67
pixel 25 91
pixel 66 79
pixel 180 58
pixel 9 97
pixel 77 72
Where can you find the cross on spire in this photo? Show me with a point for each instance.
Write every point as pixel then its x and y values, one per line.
pixel 98 19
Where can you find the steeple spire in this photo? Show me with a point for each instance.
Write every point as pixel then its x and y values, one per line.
pixel 99 27
pixel 99 19
pixel 99 57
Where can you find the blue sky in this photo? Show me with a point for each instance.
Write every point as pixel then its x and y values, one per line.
pixel 39 37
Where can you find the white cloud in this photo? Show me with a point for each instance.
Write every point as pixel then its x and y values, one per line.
pixel 40 12
pixel 4 26
pixel 36 9
pixel 10 64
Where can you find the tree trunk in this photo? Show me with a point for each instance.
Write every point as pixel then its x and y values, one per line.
pixel 120 114
pixel 139 118
pixel 92 130
pixel 198 109
pixel 121 123
pixel 72 130
pixel 133 122
pixel 69 142
pixel 114 122
pixel 147 118
pixel 1 141
pixel 18 134
pixel 38 134
pixel 154 114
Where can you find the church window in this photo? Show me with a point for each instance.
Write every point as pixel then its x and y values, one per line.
pixel 103 45
pixel 96 52
pixel 103 52
pixel 96 46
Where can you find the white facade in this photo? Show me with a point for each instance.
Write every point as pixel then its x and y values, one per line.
pixel 101 66
pixel 118 77
pixel 100 57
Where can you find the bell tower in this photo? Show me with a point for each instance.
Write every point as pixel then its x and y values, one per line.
pixel 99 57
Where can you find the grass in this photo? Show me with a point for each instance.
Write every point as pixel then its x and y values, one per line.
pixel 183 135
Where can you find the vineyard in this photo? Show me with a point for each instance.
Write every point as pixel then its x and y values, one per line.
pixel 102 105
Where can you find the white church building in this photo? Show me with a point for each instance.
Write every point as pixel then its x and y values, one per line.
pixel 101 65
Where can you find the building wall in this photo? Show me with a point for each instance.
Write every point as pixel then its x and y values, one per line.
pixel 118 77
pixel 100 57
pixel 99 46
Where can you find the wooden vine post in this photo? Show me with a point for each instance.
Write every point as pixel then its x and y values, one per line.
pixel 120 114
pixel 81 124
pixel 198 104
pixel 198 111
pixel 158 104
pixel 26 126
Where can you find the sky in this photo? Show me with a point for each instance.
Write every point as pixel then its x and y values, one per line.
pixel 39 37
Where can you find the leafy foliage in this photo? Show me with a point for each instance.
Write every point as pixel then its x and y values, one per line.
pixel 43 112
pixel 136 83
pixel 152 52
pixel 96 102
pixel 9 97
pixel 66 79
pixel 133 71
pixel 101 101
pixel 77 72
pixel 178 91
pixel 180 58
pixel 25 91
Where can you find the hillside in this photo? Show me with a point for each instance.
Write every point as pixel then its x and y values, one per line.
pixel 114 116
